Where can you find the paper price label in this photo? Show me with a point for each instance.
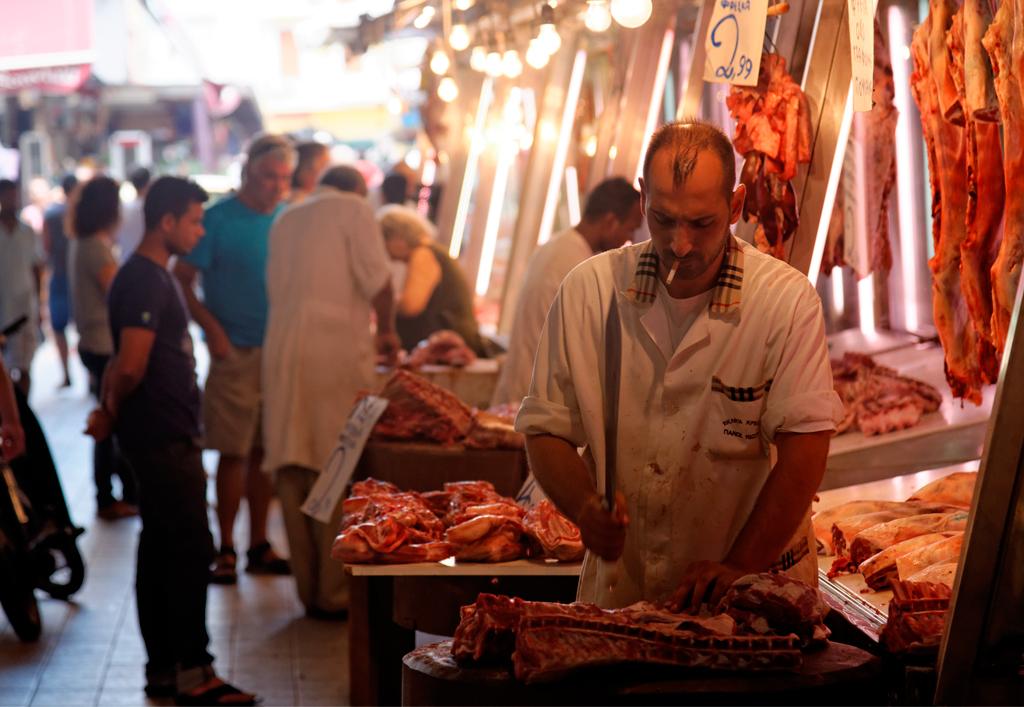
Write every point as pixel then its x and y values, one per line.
pixel 862 51
pixel 327 490
pixel 734 41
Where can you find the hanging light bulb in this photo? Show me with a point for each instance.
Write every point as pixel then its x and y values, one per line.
pixel 548 35
pixel 439 62
pixel 494 66
pixel 511 64
pixel 447 90
pixel 631 13
pixel 597 18
pixel 590 146
pixel 478 59
pixel 459 37
pixel 536 56
pixel 425 17
pixel 463 5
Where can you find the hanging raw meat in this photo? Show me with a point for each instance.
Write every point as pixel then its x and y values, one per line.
pixel 773 134
pixel 984 203
pixel 933 89
pixel 1003 43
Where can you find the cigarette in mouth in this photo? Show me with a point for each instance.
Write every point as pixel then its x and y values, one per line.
pixel 672 273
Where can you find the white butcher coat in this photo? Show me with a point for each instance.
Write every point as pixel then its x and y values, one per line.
pixel 693 431
pixel 326 263
pixel 545 271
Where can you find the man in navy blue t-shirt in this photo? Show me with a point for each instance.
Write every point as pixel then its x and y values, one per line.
pixel 151 399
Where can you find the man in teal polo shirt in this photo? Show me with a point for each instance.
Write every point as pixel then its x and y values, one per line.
pixel 232 262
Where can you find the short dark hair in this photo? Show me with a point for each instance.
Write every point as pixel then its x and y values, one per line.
pixel 97 207
pixel 139 178
pixel 345 178
pixel 687 138
pixel 173 196
pixel 307 152
pixel 68 184
pixel 394 188
pixel 7 185
pixel 612 196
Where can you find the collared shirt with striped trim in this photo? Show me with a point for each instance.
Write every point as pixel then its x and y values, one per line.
pixel 728 288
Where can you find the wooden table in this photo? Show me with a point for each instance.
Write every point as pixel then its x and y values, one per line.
pixel 389 603
pixel 837 674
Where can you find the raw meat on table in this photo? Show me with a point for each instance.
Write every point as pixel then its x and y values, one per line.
pixel 877 399
pixel 878 537
pixel 420 410
pixel 943 573
pixel 880 569
pixel 942 552
pixel 774 603
pixel 556 535
pixel 824 520
pixel 442 348
pixel 917 616
pixel 956 489
pixel 845 530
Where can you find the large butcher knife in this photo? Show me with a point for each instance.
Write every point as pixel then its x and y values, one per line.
pixel 612 373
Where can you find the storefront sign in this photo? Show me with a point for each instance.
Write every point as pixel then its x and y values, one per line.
pixel 862 51
pixel 327 490
pixel 734 41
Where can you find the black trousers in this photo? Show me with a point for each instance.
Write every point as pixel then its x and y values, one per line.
pixel 107 458
pixel 175 552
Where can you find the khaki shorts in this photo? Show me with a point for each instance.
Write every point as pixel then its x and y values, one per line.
pixel 232 403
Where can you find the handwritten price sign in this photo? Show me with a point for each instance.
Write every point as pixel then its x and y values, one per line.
pixel 326 492
pixel 862 51
pixel 734 40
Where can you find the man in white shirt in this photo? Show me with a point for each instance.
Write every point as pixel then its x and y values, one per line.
pixel 610 216
pixel 721 353
pixel 21 267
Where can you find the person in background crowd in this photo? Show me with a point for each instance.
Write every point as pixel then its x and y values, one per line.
pixel 92 266
pixel 326 272
pixel 55 242
pixel 12 436
pixel 436 294
pixel 21 273
pixel 313 159
pixel 38 200
pixel 129 235
pixel 151 397
pixel 610 216
pixel 394 189
pixel 232 260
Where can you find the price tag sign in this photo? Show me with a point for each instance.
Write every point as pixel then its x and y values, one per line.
pixel 862 51
pixel 734 41
pixel 327 490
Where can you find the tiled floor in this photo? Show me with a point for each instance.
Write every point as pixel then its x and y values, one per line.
pixel 91 652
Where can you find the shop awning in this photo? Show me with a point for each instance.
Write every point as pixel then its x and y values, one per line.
pixel 46 45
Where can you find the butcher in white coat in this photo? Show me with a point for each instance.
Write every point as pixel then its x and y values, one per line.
pixel 722 355
pixel 326 272
pixel 610 216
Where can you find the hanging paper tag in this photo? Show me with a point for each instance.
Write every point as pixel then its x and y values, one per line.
pixel 862 51
pixel 327 490
pixel 734 42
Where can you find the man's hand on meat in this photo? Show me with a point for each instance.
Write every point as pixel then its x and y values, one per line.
pixel 705 582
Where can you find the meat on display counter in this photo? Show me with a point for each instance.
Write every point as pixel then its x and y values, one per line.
pixel 473 384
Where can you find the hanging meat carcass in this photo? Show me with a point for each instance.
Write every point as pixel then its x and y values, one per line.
pixel 984 192
pixel 935 93
pixel 1004 44
pixel 773 134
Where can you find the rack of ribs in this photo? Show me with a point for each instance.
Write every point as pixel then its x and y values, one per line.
pixel 1004 44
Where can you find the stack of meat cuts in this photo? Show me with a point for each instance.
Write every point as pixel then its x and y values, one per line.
pixel 420 411
pixel 917 617
pixel 876 131
pixel 966 80
pixel 877 399
pixel 442 348
pixel 760 625
pixel 773 134
pixel 467 520
pixel 918 540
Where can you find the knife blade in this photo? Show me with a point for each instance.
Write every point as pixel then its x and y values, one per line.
pixel 612 374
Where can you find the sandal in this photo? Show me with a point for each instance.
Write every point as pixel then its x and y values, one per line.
pixel 262 559
pixel 216 692
pixel 225 570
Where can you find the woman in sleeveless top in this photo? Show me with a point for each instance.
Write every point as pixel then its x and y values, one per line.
pixel 436 294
